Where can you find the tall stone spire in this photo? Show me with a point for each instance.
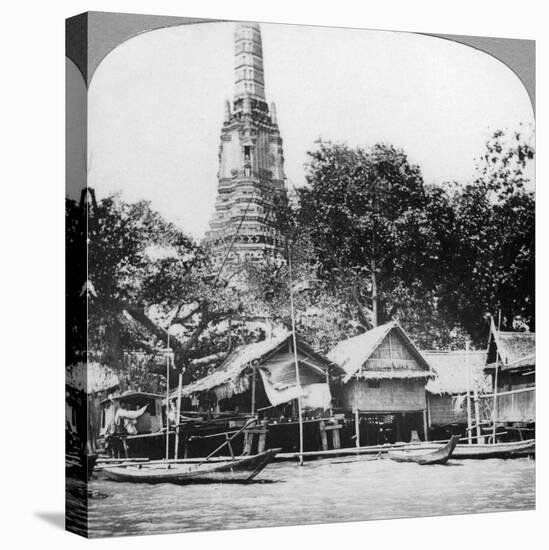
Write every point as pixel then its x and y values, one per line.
pixel 248 57
pixel 251 163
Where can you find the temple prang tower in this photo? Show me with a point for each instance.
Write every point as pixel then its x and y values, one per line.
pixel 251 162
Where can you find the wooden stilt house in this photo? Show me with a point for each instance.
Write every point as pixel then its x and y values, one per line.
pixel 383 387
pixel 260 380
pixel 85 385
pixel 456 373
pixel 511 361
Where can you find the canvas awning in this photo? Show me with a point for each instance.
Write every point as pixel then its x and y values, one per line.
pixel 280 382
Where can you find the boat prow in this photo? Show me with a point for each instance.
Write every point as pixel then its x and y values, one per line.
pixel 438 456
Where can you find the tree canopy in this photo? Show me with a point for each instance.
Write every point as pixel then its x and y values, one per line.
pixel 439 257
pixel 367 239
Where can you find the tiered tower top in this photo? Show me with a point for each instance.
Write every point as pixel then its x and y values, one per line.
pixel 251 162
pixel 248 71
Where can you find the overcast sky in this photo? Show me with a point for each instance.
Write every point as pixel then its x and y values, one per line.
pixel 156 106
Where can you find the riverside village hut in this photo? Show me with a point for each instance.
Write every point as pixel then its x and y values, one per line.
pixel 383 387
pixel 511 361
pixel 456 373
pixel 260 380
pixel 85 385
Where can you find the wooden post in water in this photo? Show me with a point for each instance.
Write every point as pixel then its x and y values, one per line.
pixel 294 340
pixel 495 408
pixel 480 439
pixel 168 396
pixel 425 425
pixel 469 419
pixel 253 391
pixel 357 428
pixel 494 413
pixel 476 405
pixel 357 414
pixel 178 413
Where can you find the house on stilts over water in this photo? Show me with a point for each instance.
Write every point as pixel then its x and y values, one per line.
pixel 85 385
pixel 260 380
pixel 511 361
pixel 456 373
pixel 383 388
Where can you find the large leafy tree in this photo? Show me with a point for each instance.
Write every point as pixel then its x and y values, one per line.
pixel 365 211
pixel 145 275
pixel 487 231
pixel 440 257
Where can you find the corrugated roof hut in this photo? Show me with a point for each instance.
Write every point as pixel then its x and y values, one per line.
pixel 456 372
pixel 384 380
pixel 263 375
pixel 511 360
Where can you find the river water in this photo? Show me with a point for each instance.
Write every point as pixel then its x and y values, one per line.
pixel 329 490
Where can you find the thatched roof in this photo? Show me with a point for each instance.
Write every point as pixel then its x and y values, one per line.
pixel 527 361
pixel 231 377
pixel 359 355
pixel 451 376
pixel 517 350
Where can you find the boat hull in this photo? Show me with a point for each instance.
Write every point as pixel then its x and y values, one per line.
pixel 515 449
pixel 495 450
pixel 240 470
pixel 438 456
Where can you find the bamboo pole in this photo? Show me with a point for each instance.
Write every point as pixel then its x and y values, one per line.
pixel 297 379
pixel 168 396
pixel 494 414
pixel 469 419
pixel 507 392
pixel 178 414
pixel 357 415
pixel 227 441
pixel 476 405
pixel 357 428
pixel 253 391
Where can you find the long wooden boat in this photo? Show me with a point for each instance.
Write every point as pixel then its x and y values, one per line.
pixel 511 449
pixel 438 456
pixel 237 470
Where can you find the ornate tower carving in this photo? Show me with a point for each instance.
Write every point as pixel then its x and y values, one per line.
pixel 251 162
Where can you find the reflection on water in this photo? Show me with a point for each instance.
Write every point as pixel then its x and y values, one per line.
pixel 324 491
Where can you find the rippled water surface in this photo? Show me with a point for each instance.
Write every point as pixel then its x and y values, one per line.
pixel 334 490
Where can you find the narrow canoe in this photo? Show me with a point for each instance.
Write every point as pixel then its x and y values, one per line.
pixel 239 470
pixel 496 450
pixel 438 456
pixel 512 449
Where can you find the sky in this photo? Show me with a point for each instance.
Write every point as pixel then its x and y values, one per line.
pixel 155 106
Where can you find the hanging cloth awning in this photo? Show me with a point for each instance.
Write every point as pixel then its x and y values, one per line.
pixel 279 380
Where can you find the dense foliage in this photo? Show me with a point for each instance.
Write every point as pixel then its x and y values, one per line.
pixel 145 276
pixel 367 241
pixel 441 258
